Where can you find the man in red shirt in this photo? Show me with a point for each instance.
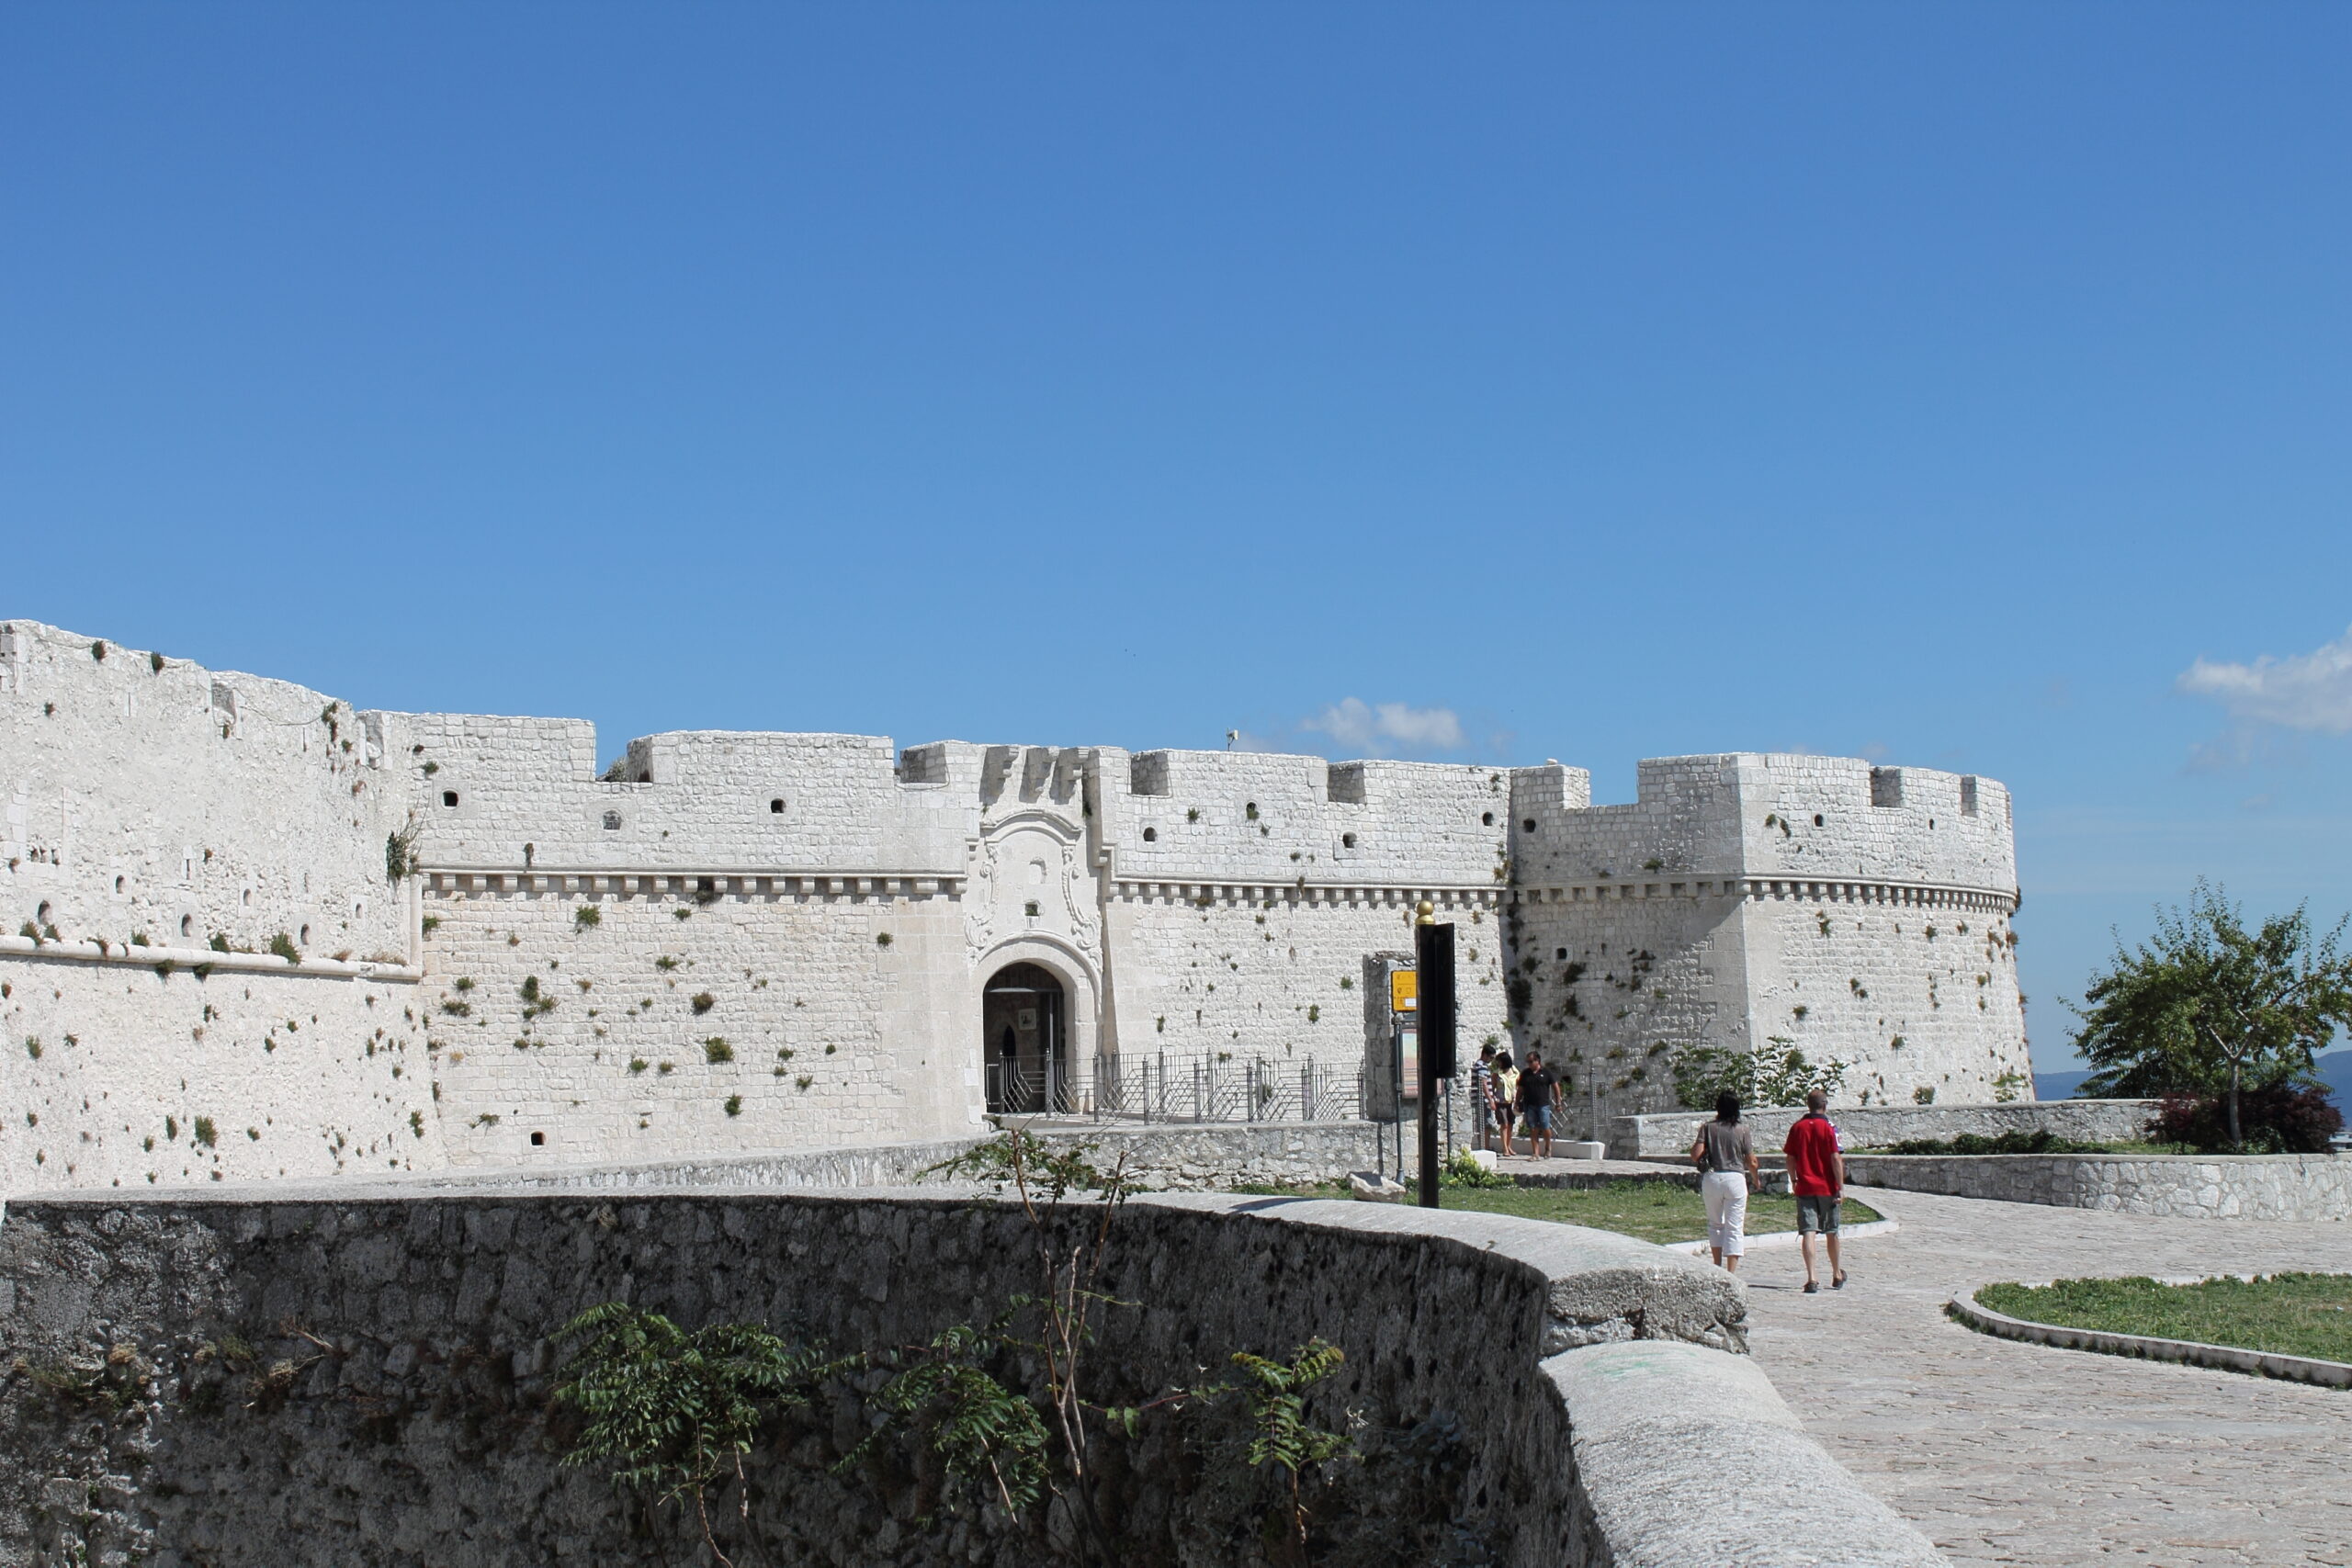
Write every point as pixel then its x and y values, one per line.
pixel 1817 1176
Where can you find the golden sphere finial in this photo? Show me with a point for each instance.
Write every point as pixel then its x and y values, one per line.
pixel 1426 915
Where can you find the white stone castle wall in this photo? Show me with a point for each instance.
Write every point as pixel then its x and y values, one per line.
pixel 1740 889
pixel 154 806
pixel 1192 902
pixel 1245 889
pixel 827 1030
pixel 294 1076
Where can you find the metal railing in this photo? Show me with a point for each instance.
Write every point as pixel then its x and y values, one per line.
pixel 1190 1086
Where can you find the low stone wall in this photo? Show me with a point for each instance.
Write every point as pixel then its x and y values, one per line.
pixel 1204 1156
pixel 2212 1187
pixel 363 1376
pixel 1163 1156
pixel 1875 1126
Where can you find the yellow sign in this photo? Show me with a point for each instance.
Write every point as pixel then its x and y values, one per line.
pixel 1404 990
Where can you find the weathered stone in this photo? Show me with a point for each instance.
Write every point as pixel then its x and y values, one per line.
pixel 1440 1313
pixel 2254 1186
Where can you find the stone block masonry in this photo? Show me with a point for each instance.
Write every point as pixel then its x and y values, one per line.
pixel 1774 904
pixel 1876 1126
pixel 163 828
pixel 734 942
pixel 351 1377
pixel 2189 1187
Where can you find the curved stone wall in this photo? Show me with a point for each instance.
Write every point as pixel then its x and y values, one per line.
pixel 1875 1126
pixel 1574 1397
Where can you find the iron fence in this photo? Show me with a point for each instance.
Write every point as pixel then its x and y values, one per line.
pixel 1192 1086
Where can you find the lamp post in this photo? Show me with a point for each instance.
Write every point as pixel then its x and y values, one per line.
pixel 1433 959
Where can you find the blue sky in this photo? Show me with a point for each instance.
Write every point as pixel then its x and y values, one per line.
pixel 1938 384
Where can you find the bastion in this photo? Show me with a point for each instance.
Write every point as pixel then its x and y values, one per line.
pixel 248 932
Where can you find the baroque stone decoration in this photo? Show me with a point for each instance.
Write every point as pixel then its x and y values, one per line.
pixel 253 933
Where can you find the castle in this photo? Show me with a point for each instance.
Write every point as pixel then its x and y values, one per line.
pixel 253 933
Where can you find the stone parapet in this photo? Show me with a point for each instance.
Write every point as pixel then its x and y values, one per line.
pixel 1164 1156
pixel 403 1365
pixel 1871 1126
pixel 2207 1187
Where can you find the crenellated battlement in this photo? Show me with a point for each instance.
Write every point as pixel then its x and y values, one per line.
pixel 1267 817
pixel 1745 816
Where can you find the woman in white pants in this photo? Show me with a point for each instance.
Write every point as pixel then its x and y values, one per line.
pixel 1726 1159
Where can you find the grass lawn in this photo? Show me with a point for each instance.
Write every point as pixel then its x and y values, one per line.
pixel 2287 1314
pixel 1652 1211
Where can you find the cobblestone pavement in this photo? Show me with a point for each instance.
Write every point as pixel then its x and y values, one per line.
pixel 2006 1452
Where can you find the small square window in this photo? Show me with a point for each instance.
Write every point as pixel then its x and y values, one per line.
pixel 448 797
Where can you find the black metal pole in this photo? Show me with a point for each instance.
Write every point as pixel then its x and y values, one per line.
pixel 1433 958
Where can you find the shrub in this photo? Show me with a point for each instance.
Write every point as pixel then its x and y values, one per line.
pixel 1758 1078
pixel 1461 1170
pixel 734 1105
pixel 587 915
pixel 283 945
pixel 716 1050
pixel 2278 1119
pixel 2040 1141
pixel 704 1002
pixel 205 1132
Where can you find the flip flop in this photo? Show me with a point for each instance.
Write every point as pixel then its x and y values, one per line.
pixel 1840 1282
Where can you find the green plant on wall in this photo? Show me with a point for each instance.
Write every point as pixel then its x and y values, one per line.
pixel 677 1412
pixel 399 853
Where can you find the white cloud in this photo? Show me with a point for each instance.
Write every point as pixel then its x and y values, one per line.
pixel 2305 691
pixel 1365 726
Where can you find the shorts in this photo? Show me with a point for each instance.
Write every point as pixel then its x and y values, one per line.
pixel 1816 1213
pixel 1727 1195
pixel 1539 1119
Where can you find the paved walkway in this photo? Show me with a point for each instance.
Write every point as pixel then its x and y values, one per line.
pixel 2006 1452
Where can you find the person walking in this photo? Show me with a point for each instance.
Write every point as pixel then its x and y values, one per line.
pixel 1725 1156
pixel 1482 1094
pixel 1538 1091
pixel 1507 1098
pixel 1817 1176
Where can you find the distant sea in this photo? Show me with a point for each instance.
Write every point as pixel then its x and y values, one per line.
pixel 2334 1070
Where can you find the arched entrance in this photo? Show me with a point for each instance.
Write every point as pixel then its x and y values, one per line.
pixel 1024 1039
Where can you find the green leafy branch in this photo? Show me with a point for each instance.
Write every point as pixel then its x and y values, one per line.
pixel 677 1410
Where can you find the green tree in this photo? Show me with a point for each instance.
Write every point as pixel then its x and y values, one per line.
pixel 2210 1006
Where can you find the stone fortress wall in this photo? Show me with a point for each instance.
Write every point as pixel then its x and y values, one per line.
pixel 729 942
pixel 163 826
pixel 1771 903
